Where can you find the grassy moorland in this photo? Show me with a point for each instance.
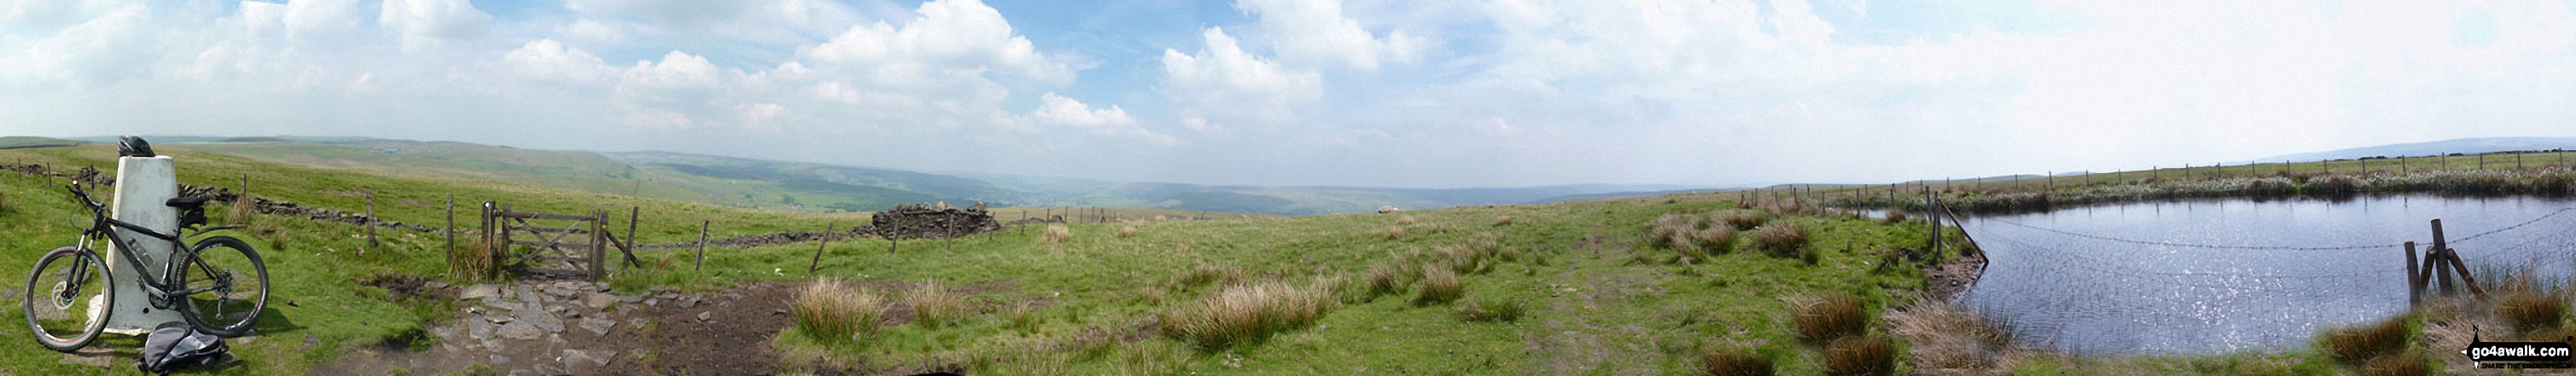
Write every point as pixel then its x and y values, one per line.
pixel 2541 174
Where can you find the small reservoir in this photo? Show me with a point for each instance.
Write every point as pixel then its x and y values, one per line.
pixel 2215 276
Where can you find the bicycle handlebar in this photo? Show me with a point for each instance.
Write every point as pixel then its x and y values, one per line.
pixel 84 198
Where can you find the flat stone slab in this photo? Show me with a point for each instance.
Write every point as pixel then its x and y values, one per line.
pixel 521 330
pixel 597 301
pixel 479 292
pixel 539 318
pixel 597 326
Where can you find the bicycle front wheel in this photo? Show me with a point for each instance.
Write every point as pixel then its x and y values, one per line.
pixel 67 299
pixel 226 287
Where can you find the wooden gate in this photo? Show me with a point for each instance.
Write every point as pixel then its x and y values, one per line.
pixel 556 245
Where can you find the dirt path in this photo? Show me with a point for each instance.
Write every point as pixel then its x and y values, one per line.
pixel 1953 277
pixel 580 328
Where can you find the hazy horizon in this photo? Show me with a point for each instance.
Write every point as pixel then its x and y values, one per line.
pixel 1502 93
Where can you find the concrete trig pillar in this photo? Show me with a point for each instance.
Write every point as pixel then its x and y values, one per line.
pixel 143 185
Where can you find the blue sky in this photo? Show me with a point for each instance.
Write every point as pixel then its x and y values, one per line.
pixel 1318 92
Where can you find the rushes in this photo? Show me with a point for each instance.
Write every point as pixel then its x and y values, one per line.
pixel 1247 313
pixel 1439 285
pixel 2530 310
pixel 1825 318
pixel 932 304
pixel 2361 343
pixel 1781 239
pixel 1744 219
pixel 1735 363
pixel 1939 335
pixel 1871 355
pixel 830 312
pixel 1492 310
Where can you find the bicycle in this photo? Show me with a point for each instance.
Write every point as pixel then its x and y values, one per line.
pixel 209 286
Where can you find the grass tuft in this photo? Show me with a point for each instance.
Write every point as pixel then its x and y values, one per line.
pixel 1404 220
pixel 1744 219
pixel 1127 231
pixel 933 305
pixel 2529 310
pixel 1492 310
pixel 1895 215
pixel 1860 356
pixel 1439 285
pixel 1243 314
pixel 2401 365
pixel 828 311
pixel 1735 363
pixel 1780 239
pixel 2362 343
pixel 1503 221
pixel 1825 318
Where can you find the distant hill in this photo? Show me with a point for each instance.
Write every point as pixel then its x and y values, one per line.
pixel 2465 145
pixel 820 187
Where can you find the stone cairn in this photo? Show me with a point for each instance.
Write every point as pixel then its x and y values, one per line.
pixel 926 221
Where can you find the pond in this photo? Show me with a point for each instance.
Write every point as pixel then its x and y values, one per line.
pixel 2213 276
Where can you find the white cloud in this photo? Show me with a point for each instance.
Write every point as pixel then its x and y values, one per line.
pixel 424 24
pixel 546 60
pixel 1223 81
pixel 1058 110
pixel 321 19
pixel 1314 33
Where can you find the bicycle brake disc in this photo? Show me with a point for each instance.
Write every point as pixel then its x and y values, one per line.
pixel 62 296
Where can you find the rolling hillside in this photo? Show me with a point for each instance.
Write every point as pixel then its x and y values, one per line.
pixel 824 188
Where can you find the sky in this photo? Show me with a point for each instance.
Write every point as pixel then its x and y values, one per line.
pixel 1426 94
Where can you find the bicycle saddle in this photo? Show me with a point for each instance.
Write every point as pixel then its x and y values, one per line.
pixel 189 202
pixel 131 146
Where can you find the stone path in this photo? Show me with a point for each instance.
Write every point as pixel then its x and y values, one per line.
pixel 533 328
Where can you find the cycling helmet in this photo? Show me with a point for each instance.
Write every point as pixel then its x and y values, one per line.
pixel 131 146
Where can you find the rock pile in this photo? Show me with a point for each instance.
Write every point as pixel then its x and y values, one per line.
pixel 920 221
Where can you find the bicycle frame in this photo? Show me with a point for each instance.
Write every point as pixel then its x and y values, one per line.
pixel 156 286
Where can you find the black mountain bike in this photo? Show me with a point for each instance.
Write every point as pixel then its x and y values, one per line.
pixel 219 286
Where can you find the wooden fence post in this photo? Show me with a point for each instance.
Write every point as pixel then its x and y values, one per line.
pixel 818 249
pixel 2414 278
pixel 451 230
pixel 629 247
pixel 599 238
pixel 701 264
pixel 2441 251
pixel 1930 201
pixel 370 223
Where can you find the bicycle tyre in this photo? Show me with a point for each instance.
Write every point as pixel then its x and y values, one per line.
pixel 208 256
pixel 37 281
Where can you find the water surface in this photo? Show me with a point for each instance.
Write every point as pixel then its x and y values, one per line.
pixel 2212 276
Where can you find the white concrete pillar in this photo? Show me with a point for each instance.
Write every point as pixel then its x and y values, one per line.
pixel 143 185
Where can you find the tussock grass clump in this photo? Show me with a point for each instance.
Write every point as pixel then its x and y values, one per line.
pixel 1404 220
pixel 1735 362
pixel 2530 310
pixel 1781 239
pixel 1715 240
pixel 1895 215
pixel 1503 221
pixel 1127 231
pixel 1941 335
pixel 1245 313
pixel 1824 318
pixel 2333 186
pixel 933 305
pixel 2410 364
pixel 2362 343
pixel 1439 285
pixel 1394 232
pixel 1744 219
pixel 241 210
pixel 1058 233
pixel 830 312
pixel 1492 310
pixel 1382 280
pixel 1860 356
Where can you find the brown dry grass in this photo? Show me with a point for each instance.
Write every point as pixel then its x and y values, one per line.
pixel 1940 335
pixel 1439 285
pixel 1870 355
pixel 1404 220
pixel 1127 231
pixel 1246 313
pixel 829 311
pixel 1735 362
pixel 933 305
pixel 2359 344
pixel 1503 221
pixel 1781 239
pixel 1823 318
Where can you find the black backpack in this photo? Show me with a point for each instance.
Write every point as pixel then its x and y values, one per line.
pixel 175 345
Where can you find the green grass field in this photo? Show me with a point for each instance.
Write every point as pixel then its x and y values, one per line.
pixel 1591 301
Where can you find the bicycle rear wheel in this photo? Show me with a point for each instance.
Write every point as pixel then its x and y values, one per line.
pixel 227 285
pixel 67 299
